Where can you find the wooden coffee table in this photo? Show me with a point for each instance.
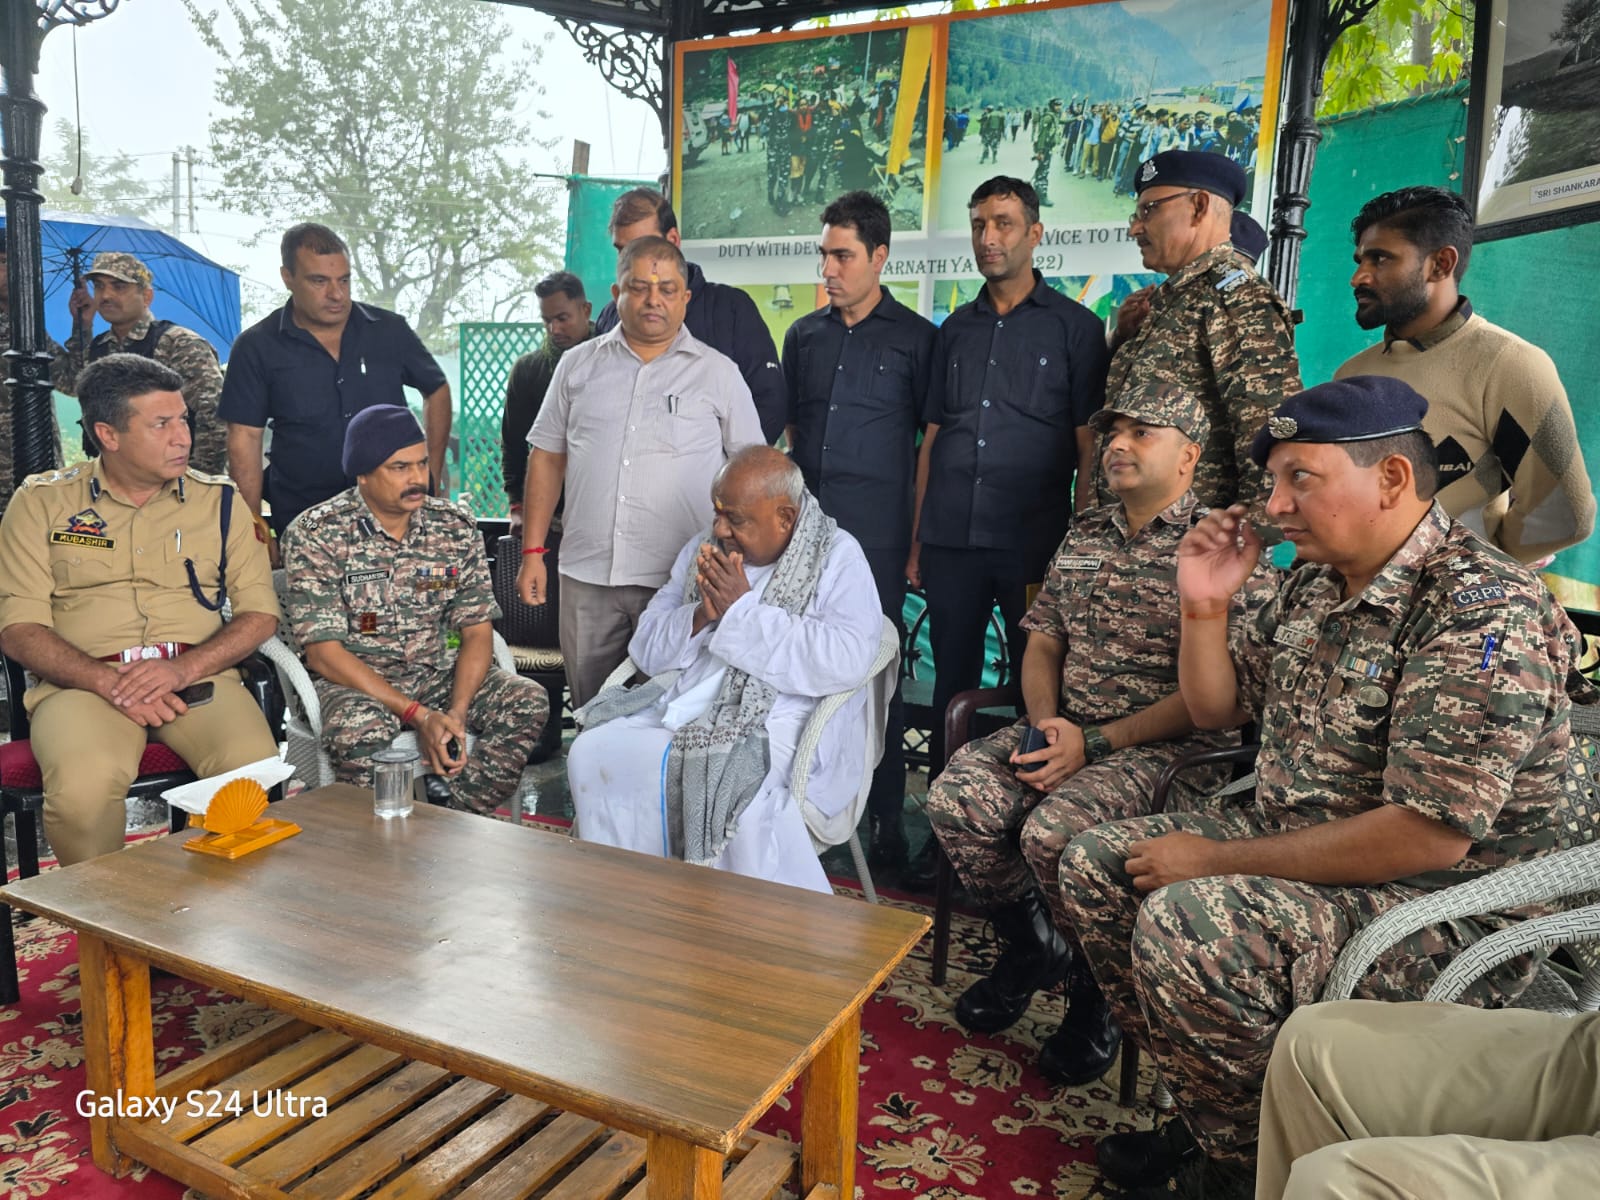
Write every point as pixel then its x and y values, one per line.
pixel 480 1009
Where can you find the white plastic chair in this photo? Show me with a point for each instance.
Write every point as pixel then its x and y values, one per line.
pixel 303 713
pixel 841 826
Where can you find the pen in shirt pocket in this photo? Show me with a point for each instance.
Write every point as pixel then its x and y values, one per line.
pixel 1488 652
pixel 672 403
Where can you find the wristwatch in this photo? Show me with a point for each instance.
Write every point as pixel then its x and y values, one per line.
pixel 1096 745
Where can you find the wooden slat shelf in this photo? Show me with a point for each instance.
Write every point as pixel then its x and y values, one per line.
pixel 395 1130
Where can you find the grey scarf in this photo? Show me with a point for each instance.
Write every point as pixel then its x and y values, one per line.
pixel 718 760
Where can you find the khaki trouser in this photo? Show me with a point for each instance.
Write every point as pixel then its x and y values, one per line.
pixel 597 623
pixel 88 753
pixel 1372 1101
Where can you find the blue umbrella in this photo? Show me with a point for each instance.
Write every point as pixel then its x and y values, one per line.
pixel 191 290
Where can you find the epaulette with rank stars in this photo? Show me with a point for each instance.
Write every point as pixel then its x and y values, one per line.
pixel 49 478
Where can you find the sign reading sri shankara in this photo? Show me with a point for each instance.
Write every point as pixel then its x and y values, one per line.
pixel 1069 96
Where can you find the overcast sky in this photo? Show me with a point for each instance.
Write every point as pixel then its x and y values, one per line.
pixel 146 87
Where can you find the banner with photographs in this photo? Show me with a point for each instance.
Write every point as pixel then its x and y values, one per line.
pixel 1536 116
pixel 1070 96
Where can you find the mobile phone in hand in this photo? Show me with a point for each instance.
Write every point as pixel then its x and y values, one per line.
pixel 198 693
pixel 1032 739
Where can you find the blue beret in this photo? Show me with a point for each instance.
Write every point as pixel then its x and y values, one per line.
pixel 1193 168
pixel 1361 408
pixel 373 436
pixel 1247 237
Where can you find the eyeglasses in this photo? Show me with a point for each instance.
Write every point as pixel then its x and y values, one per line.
pixel 1142 213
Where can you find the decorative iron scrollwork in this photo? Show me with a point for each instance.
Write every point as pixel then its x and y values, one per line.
pixel 73 12
pixel 630 61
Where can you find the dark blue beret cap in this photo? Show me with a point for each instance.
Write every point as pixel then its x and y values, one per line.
pixel 373 436
pixel 1193 168
pixel 1361 408
pixel 1247 236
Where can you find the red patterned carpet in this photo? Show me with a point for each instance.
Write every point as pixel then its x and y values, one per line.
pixel 944 1116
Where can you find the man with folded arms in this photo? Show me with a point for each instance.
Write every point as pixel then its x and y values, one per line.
pixel 380 577
pixel 1411 686
pixel 115 574
pixel 764 615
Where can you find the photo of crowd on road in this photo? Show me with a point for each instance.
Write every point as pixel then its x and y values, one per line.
pixel 1074 99
pixel 771 132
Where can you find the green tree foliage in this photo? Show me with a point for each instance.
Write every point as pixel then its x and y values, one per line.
pixel 1403 48
pixel 111 184
pixel 399 127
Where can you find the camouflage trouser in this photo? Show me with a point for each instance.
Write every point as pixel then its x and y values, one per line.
pixel 507 715
pixel 991 146
pixel 1004 837
pixel 1041 177
pixel 1202 973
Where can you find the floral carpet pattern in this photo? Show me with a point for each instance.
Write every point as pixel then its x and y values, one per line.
pixel 944 1115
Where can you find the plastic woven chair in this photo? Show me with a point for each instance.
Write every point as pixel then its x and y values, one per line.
pixel 841 827
pixel 1573 872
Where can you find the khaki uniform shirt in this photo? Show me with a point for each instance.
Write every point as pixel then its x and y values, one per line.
pixel 1441 688
pixel 1220 331
pixel 1112 597
pixel 106 576
pixel 392 603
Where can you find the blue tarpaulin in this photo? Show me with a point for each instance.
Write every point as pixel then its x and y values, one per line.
pixel 190 289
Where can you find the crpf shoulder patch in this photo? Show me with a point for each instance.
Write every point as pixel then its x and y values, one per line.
pixel 1479 595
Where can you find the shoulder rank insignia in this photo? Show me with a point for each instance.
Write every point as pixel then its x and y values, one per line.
pixel 1232 280
pixel 1483 593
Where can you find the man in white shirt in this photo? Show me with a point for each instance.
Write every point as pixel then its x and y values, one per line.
pixel 636 423
pixel 767 613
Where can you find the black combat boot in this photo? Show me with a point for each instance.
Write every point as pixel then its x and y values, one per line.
pixel 1033 955
pixel 1085 1045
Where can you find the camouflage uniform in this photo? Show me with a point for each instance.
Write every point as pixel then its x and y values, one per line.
pixel 991 127
pixel 1383 699
pixel 61 374
pixel 392 603
pixel 777 130
pixel 1046 133
pixel 1112 597
pixel 192 357
pixel 1219 330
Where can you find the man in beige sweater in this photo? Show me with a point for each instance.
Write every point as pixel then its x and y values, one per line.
pixel 1510 465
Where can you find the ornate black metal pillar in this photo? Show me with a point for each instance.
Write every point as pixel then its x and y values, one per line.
pixel 23 25
pixel 1314 25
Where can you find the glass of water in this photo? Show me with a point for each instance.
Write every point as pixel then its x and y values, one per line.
pixel 393 772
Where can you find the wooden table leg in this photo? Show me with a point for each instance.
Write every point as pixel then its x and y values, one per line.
pixel 118 1042
pixel 679 1170
pixel 830 1091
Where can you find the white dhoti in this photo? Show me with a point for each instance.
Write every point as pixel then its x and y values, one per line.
pixel 617 771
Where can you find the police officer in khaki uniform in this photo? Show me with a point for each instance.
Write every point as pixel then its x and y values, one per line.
pixel 111 595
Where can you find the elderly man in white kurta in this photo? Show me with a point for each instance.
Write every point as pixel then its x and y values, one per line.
pixel 770 612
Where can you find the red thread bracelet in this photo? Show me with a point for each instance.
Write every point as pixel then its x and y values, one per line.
pixel 411 711
pixel 536 550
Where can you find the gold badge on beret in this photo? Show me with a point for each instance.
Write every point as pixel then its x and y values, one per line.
pixel 1282 427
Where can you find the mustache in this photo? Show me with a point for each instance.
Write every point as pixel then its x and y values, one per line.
pixel 1365 294
pixel 414 491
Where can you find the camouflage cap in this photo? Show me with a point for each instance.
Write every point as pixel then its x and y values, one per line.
pixel 1169 405
pixel 1359 408
pixel 114 264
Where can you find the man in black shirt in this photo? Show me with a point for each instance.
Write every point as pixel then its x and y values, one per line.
pixel 857 375
pixel 310 367
pixel 565 312
pixel 1017 374
pixel 721 316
